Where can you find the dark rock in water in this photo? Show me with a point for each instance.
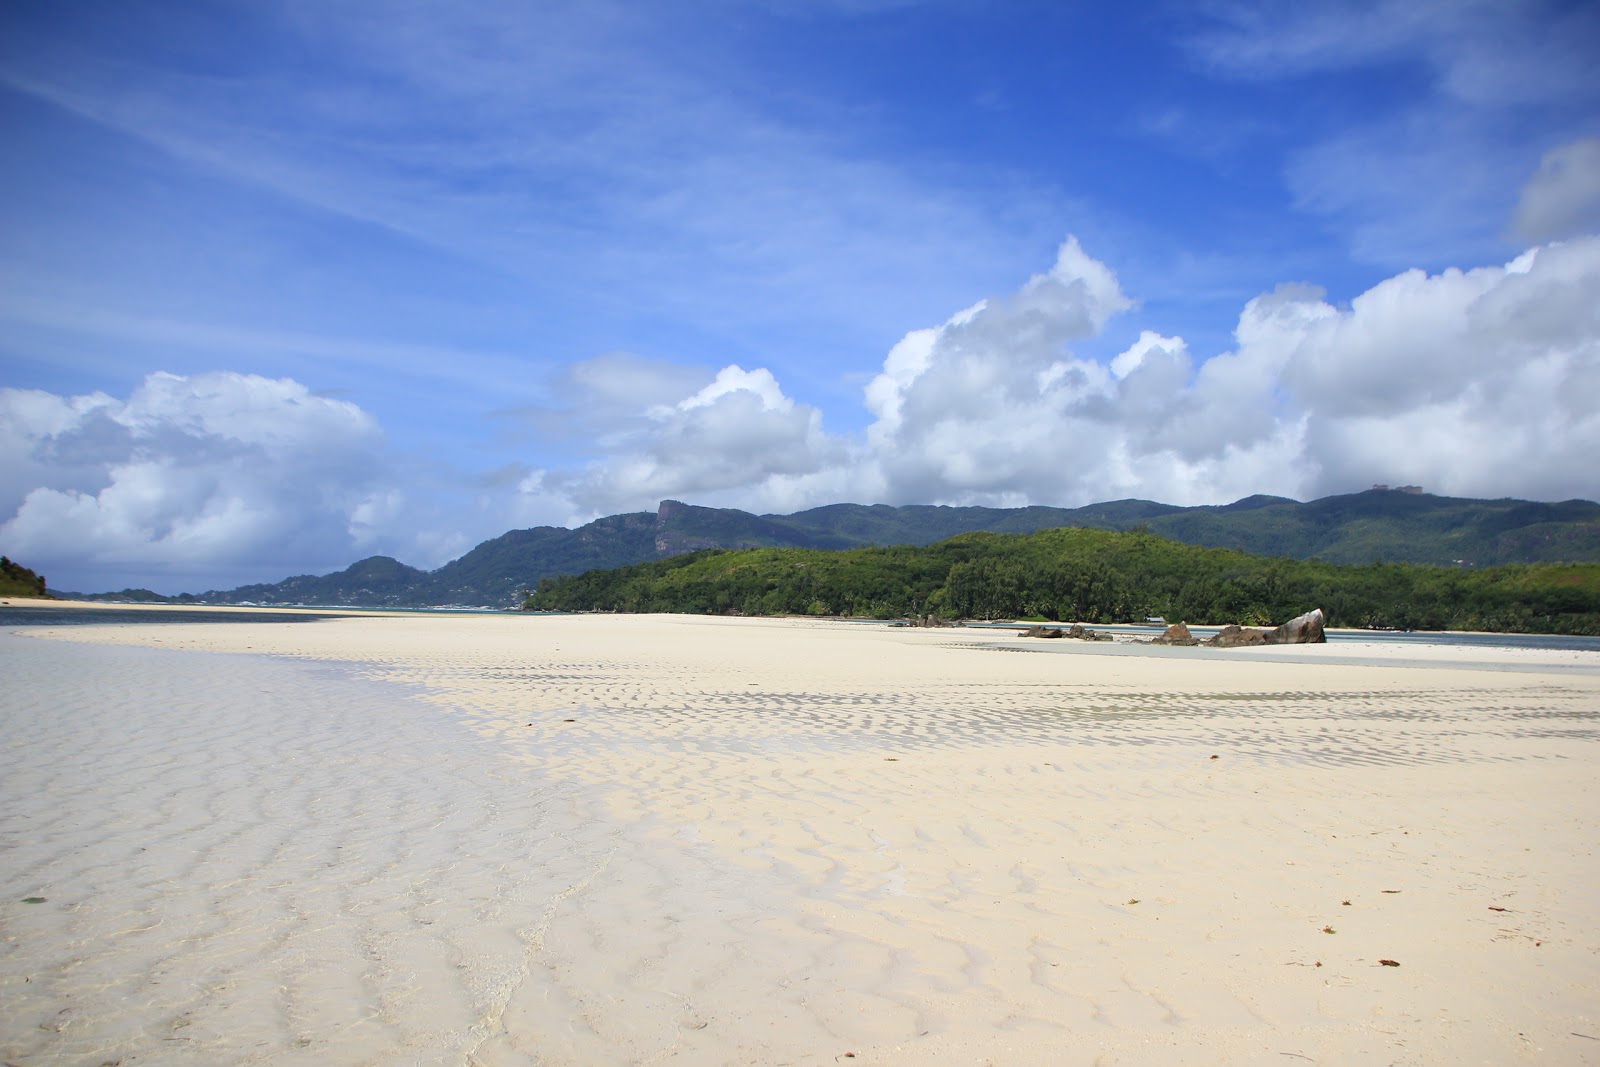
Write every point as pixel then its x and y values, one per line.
pixel 1234 636
pixel 1043 631
pixel 929 621
pixel 1302 630
pixel 1176 634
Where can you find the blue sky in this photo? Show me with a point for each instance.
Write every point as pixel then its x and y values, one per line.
pixel 284 284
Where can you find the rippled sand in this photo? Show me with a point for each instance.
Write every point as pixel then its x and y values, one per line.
pixel 676 840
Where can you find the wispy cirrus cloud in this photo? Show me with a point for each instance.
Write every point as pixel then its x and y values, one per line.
pixel 1454 101
pixel 1562 199
pixel 564 145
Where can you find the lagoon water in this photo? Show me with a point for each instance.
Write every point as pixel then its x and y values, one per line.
pixel 46 614
pixel 240 860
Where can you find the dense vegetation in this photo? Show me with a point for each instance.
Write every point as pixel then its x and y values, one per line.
pixel 493 572
pixel 1379 524
pixel 17 580
pixel 1089 575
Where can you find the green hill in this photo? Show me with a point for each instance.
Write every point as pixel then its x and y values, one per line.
pixel 17 580
pixel 498 570
pixel 377 581
pixel 1084 575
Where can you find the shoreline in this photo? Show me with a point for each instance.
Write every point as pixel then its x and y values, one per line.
pixel 1350 648
pixel 921 846
pixel 1342 632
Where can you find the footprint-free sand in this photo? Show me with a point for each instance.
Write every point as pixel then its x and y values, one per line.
pixel 492 840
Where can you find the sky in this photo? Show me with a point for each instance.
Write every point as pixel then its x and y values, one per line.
pixel 289 283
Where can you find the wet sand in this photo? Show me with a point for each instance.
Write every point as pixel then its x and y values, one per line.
pixel 471 839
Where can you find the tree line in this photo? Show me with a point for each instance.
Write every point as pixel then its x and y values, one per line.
pixel 1085 575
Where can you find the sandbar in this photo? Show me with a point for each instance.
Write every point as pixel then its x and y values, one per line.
pixel 507 839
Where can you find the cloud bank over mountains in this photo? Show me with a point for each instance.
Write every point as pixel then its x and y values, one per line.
pixel 1473 383
pixel 1478 382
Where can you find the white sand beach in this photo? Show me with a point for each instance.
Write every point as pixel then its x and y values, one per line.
pixel 661 839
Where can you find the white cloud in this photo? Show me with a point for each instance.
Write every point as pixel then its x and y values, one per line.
pixel 622 382
pixel 189 474
pixel 994 408
pixel 1479 382
pixel 1476 382
pixel 1562 199
pixel 738 433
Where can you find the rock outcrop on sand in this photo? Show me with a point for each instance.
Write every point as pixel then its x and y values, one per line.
pixel 1235 636
pixel 1176 634
pixel 1302 630
pixel 1075 631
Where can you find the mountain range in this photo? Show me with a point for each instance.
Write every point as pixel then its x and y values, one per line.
pixel 1395 525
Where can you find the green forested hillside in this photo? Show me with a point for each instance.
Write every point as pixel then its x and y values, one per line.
pixel 1367 527
pixel 17 580
pixel 1403 527
pixel 493 572
pixel 377 581
pixel 1089 576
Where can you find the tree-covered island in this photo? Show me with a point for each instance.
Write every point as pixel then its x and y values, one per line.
pixel 1088 575
pixel 17 580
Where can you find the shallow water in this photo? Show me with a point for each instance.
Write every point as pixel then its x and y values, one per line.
pixel 45 614
pixel 249 861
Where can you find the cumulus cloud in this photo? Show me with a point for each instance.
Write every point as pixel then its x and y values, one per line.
pixel 190 474
pixel 994 407
pixel 1469 382
pixel 668 436
pixel 1562 199
pixel 1477 382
